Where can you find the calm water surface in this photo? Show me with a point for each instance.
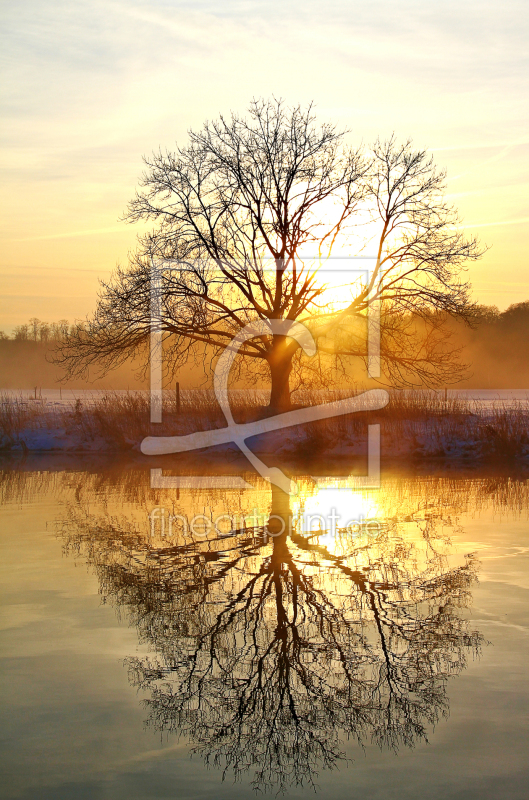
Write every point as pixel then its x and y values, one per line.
pixel 377 648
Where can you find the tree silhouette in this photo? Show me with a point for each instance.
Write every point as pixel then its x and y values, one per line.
pixel 269 648
pixel 250 192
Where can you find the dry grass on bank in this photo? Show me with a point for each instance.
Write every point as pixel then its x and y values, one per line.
pixel 16 415
pixel 121 418
pixel 422 422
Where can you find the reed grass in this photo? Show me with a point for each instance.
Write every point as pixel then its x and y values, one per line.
pixel 428 424
pixel 16 415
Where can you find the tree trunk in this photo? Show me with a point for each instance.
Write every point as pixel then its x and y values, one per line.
pixel 280 368
pixel 280 521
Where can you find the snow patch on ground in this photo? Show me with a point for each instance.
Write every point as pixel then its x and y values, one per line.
pixel 467 438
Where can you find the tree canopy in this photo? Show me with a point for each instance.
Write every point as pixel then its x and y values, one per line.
pixel 243 218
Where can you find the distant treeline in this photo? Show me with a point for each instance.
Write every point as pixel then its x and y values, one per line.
pixel 495 346
pixel 37 331
pixel 25 360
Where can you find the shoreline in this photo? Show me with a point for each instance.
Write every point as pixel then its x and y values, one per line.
pixel 414 427
pixel 113 467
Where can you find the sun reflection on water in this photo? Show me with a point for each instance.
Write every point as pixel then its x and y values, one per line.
pixel 336 514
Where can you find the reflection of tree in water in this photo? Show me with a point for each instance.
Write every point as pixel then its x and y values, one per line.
pixel 269 652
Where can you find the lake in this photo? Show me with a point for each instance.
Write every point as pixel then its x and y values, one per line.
pixel 205 643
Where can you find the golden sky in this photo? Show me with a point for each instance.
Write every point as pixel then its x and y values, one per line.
pixel 89 87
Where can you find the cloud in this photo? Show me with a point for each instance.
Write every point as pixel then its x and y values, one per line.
pixel 91 86
pixel 95 232
pixel 520 221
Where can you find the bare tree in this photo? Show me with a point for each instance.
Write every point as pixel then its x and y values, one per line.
pixel 249 193
pixel 21 333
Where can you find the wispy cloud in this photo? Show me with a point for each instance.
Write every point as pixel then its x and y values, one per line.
pixel 520 221
pixel 94 232
pixel 91 86
pixel 479 146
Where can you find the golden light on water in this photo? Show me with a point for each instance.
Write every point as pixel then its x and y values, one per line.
pixel 339 512
pixel 381 525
